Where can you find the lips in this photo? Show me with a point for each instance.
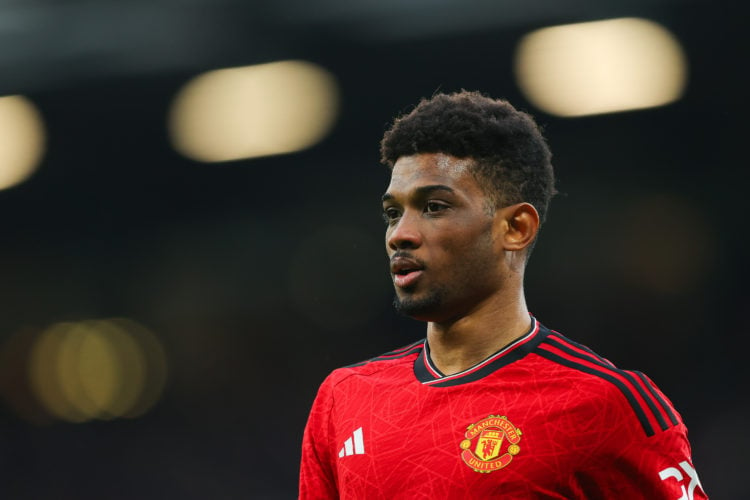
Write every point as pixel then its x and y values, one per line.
pixel 405 270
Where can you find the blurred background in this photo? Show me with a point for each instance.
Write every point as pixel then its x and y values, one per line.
pixel 191 240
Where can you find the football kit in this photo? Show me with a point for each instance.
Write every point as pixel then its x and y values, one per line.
pixel 544 417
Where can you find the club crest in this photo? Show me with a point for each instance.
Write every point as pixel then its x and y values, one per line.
pixel 490 444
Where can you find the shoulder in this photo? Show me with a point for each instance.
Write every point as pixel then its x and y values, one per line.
pixel 392 360
pixel 636 442
pixel 608 388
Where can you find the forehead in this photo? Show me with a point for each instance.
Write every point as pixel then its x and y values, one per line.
pixel 411 172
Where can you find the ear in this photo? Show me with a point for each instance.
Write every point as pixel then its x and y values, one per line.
pixel 520 223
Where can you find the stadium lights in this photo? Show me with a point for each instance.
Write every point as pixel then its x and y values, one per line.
pixel 22 139
pixel 600 67
pixel 252 111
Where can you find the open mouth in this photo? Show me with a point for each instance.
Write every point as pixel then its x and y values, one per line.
pixel 404 278
pixel 404 272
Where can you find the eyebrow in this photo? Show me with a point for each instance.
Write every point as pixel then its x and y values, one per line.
pixel 424 190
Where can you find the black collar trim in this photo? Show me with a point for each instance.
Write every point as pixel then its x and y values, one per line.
pixel 428 374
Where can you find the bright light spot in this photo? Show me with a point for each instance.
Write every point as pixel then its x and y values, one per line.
pixel 601 67
pixel 107 370
pixel 152 363
pixel 22 140
pixel 44 373
pixel 253 111
pixel 97 369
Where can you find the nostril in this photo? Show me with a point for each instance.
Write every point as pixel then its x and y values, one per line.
pixel 404 244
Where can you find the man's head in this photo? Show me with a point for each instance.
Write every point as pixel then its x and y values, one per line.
pixel 510 158
pixel 471 179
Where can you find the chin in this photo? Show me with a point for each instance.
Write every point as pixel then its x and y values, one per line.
pixel 423 308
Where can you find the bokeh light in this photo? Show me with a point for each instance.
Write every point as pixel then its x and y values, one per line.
pixel 47 383
pixel 22 139
pixel 600 67
pixel 252 111
pixel 153 358
pixel 97 369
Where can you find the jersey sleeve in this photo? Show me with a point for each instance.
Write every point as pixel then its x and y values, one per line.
pixel 632 463
pixel 317 475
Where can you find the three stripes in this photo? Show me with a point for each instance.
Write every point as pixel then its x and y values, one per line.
pixel 355 445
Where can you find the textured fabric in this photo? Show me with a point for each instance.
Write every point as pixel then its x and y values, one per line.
pixel 543 418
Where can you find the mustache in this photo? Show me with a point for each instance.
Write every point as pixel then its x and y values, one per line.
pixel 403 254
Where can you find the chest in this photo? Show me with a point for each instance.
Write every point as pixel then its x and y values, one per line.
pixel 416 441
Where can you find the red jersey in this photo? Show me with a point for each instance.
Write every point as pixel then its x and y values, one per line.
pixel 544 417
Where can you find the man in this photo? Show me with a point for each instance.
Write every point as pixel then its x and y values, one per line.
pixel 491 404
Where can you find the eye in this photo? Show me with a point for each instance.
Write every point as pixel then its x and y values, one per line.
pixel 390 215
pixel 434 206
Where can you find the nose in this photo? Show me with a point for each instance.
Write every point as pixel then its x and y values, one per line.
pixel 405 233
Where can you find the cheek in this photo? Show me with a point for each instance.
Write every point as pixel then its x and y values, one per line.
pixel 470 239
pixel 478 252
pixel 466 249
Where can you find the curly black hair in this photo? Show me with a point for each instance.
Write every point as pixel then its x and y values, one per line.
pixel 512 161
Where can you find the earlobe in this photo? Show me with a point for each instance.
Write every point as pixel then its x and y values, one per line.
pixel 522 225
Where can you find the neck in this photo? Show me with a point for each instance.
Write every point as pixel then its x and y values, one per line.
pixel 461 343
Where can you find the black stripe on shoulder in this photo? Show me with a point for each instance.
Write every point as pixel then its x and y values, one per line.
pixel 649 430
pixel 558 335
pixel 395 354
pixel 606 366
pixel 667 407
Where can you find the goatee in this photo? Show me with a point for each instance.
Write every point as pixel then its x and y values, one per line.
pixel 416 308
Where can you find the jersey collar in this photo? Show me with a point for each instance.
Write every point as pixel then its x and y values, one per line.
pixel 428 374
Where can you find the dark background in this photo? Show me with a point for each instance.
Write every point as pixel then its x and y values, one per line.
pixel 260 276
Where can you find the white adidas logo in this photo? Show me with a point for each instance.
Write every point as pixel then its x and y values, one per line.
pixel 355 445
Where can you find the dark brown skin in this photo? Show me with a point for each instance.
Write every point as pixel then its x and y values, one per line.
pixel 469 260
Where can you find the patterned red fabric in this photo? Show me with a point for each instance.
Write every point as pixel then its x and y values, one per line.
pixel 543 418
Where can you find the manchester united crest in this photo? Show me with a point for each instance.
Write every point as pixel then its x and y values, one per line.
pixel 490 444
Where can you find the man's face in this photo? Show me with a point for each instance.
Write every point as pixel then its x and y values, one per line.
pixel 440 239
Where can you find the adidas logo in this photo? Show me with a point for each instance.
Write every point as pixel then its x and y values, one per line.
pixel 355 445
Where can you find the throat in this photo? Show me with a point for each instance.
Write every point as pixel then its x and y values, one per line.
pixel 454 361
pixel 454 350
